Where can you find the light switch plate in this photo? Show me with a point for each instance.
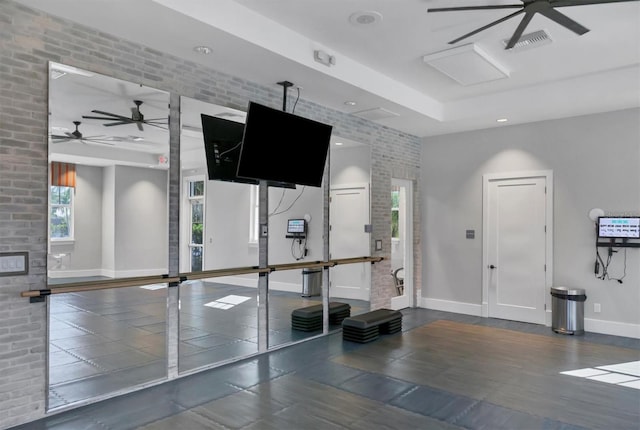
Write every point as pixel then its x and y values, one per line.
pixel 14 263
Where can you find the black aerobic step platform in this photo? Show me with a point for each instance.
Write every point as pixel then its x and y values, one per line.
pixel 369 326
pixel 310 318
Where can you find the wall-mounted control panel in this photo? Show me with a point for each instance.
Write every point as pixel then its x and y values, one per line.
pixel 14 263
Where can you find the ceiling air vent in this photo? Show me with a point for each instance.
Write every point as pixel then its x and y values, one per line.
pixel 375 114
pixel 530 40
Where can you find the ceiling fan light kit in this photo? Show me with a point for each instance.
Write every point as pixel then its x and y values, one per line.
pixel 529 8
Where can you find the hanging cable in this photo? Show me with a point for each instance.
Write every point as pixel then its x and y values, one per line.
pixel 291 205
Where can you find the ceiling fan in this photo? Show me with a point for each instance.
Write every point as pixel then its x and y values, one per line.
pixel 77 135
pixel 546 8
pixel 136 118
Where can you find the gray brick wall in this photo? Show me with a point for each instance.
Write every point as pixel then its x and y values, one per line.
pixel 28 40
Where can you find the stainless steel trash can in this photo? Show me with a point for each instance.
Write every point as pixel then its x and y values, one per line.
pixel 567 310
pixel 311 282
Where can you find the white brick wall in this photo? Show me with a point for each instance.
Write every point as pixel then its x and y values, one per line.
pixel 28 40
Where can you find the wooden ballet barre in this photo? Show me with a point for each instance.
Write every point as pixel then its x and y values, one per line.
pixel 176 280
pixel 101 285
pixel 216 273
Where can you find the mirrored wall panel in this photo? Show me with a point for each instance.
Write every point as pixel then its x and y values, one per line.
pixel 218 315
pixel 109 159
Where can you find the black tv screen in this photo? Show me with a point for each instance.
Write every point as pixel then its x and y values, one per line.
pixel 280 146
pixel 222 143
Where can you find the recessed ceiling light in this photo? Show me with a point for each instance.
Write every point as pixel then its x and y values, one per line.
pixel 502 120
pixel 339 144
pixel 204 50
pixel 365 17
pixel 350 103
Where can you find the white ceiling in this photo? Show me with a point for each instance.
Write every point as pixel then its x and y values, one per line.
pixel 380 65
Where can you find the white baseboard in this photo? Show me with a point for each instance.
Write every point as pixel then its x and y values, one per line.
pixel 612 327
pixel 88 273
pixel 451 306
pixel 590 325
pixel 253 283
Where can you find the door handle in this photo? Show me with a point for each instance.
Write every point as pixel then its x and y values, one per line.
pixel 491 266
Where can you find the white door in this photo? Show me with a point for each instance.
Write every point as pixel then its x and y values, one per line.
pixel 402 240
pixel 348 215
pixel 517 246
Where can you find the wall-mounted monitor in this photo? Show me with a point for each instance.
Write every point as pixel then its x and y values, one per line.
pixel 626 227
pixel 296 228
pixel 280 146
pixel 222 142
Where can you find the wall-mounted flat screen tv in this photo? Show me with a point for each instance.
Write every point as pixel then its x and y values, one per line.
pixel 222 142
pixel 280 146
pixel 627 227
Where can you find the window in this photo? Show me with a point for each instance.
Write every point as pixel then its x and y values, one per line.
pixel 61 216
pixel 395 211
pixel 196 224
pixel 254 215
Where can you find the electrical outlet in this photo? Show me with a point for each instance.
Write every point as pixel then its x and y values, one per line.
pixel 596 308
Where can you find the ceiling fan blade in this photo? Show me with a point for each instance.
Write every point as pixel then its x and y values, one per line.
pixel 118 123
pixel 563 3
pixel 564 21
pixel 113 115
pixel 139 124
pixel 520 29
pixel 453 9
pixel 478 30
pixel 98 117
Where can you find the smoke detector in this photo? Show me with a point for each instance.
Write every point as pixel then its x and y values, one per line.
pixel 365 17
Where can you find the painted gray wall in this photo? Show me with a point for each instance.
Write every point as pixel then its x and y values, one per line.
pixel 141 221
pixel 351 165
pixel 108 219
pixel 29 40
pixel 595 161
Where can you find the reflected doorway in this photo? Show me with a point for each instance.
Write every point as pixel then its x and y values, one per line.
pixel 402 243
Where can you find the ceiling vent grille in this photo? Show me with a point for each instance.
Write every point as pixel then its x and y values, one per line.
pixel 375 114
pixel 530 40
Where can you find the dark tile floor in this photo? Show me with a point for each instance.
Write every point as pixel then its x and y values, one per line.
pixel 443 371
pixel 106 341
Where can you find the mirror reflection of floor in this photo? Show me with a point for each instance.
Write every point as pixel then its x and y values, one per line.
pixel 106 341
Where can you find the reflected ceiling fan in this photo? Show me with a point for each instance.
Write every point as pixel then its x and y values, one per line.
pixel 77 135
pixel 546 8
pixel 136 118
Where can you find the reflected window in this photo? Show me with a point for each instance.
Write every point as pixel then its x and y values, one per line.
pixel 61 215
pixel 395 211
pixel 196 205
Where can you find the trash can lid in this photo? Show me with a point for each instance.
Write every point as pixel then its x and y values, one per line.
pixel 566 291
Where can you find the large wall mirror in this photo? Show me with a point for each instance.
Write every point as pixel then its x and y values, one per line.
pixel 108 218
pixel 109 159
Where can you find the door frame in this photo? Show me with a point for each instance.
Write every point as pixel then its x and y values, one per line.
pixel 408 299
pixel 495 177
